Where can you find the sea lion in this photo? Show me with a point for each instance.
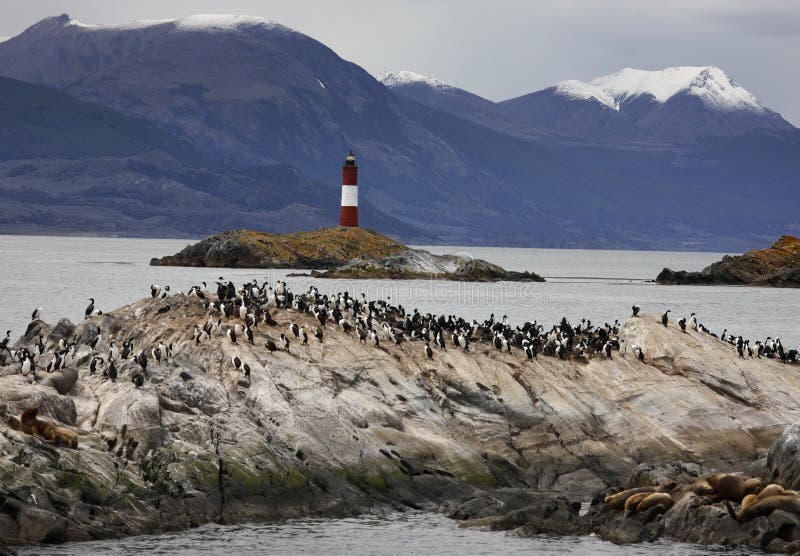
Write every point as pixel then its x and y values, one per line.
pixel 633 501
pixel 769 490
pixel 766 506
pixel 733 487
pixel 45 430
pixel 702 487
pixel 749 500
pixel 617 501
pixel 653 500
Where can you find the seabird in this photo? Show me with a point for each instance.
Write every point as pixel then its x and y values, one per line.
pixel 237 363
pixel 665 317
pixel 270 345
pixel 94 343
pixel 636 310
pixel 318 333
pixel 295 329
pixel 111 371
pixel 285 340
pixel 89 309
pixel 428 350
pixel 6 340
pixel 682 324
pixel 36 313
pixel 304 335
pixel 231 335
pixel 249 334
pixel 138 380
pixel 96 360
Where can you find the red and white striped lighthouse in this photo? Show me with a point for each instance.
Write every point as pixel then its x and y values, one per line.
pixel 349 214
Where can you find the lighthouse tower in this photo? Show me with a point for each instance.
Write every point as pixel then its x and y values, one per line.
pixel 349 214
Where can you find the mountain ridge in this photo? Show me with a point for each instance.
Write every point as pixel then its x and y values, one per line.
pixel 254 100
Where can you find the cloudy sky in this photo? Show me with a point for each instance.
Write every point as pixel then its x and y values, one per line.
pixel 504 48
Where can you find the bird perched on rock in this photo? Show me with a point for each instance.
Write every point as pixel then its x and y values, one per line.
pixel 665 317
pixel 428 350
pixel 682 324
pixel 285 340
pixel 89 309
pixel 635 310
pixel 271 346
pixel 138 380
pixel 36 314
pixel 318 333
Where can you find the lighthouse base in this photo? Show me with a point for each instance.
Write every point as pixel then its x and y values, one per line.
pixel 349 217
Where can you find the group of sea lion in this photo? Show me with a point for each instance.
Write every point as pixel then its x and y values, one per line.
pixel 656 499
pixel 755 498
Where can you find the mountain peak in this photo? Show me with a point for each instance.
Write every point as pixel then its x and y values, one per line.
pixel 198 22
pixel 579 90
pixel 709 83
pixel 402 78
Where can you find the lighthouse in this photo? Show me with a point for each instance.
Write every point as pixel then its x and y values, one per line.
pixel 349 214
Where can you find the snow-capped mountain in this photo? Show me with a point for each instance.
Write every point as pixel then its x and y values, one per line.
pixel 195 124
pixel 680 103
pixel 437 94
pixel 405 78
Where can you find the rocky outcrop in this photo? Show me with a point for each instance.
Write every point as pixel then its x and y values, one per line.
pixel 323 248
pixel 698 517
pixel 777 266
pixel 420 264
pixel 340 427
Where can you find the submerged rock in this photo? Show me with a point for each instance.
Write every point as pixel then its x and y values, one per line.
pixel 778 266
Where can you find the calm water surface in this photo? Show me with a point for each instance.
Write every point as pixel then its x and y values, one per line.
pixel 60 274
pixel 414 533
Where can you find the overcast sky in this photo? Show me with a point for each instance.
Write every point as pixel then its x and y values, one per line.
pixel 504 48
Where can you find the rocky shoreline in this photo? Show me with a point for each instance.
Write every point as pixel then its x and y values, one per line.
pixel 418 264
pixel 323 248
pixel 340 426
pixel 776 266
pixel 348 253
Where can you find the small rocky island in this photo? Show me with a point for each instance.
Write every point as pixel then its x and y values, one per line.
pixel 777 266
pixel 256 404
pixel 355 253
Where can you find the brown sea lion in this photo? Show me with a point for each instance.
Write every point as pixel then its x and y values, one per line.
pixel 733 487
pixel 766 506
pixel 45 430
pixel 769 490
pixel 617 501
pixel 702 487
pixel 633 501
pixel 749 500
pixel 655 499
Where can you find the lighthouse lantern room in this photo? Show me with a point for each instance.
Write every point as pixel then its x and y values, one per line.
pixel 349 214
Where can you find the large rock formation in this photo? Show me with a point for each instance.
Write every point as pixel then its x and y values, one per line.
pixel 778 266
pixel 323 248
pixel 339 427
pixel 420 264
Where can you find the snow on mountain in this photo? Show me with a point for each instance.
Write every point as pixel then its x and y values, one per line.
pixel 403 78
pixel 580 90
pixel 199 22
pixel 710 83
